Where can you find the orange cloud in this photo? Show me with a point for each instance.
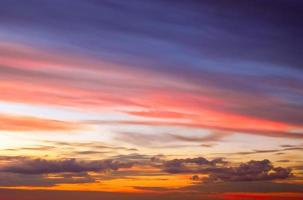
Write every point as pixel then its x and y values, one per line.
pixel 25 123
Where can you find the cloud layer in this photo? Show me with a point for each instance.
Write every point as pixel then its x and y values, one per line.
pixel 19 169
pixel 226 79
pixel 42 166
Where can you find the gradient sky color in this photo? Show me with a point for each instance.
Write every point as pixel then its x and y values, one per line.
pixel 151 98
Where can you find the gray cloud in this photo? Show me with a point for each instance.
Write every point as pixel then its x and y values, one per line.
pixel 150 140
pixel 214 136
pixel 283 161
pixel 21 169
pixel 277 151
pixel 13 179
pixel 218 170
pixel 250 171
pixel 191 165
pixel 43 166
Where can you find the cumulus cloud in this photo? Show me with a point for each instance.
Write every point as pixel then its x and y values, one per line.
pixel 191 165
pixel 250 171
pixel 27 171
pixel 218 170
pixel 43 166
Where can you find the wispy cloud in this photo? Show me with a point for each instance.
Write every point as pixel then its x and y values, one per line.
pixel 26 123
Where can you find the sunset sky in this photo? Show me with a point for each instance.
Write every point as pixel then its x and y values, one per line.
pixel 151 99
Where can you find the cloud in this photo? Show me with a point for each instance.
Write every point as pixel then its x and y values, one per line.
pixel 263 86
pixel 43 166
pixel 27 171
pixel 277 151
pixel 139 138
pixel 26 123
pixel 91 152
pixel 218 169
pixel 212 110
pixel 32 148
pixel 207 145
pixel 250 171
pixel 283 161
pixel 40 180
pixel 231 129
pixel 67 170
pixel 191 165
pixel 160 114
pixel 134 158
pixel 96 146
pixel 213 136
pixel 172 140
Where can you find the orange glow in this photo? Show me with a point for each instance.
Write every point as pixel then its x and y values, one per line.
pixel 129 184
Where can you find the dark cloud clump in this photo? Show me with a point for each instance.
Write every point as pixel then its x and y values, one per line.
pixel 191 165
pixel 218 169
pixel 43 166
pixel 251 171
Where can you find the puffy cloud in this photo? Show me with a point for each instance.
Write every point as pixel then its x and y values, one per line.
pixel 27 171
pixel 20 169
pixel 250 171
pixel 43 166
pixel 191 165
pixel 218 170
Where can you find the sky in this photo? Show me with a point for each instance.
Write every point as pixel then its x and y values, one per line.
pixel 150 99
